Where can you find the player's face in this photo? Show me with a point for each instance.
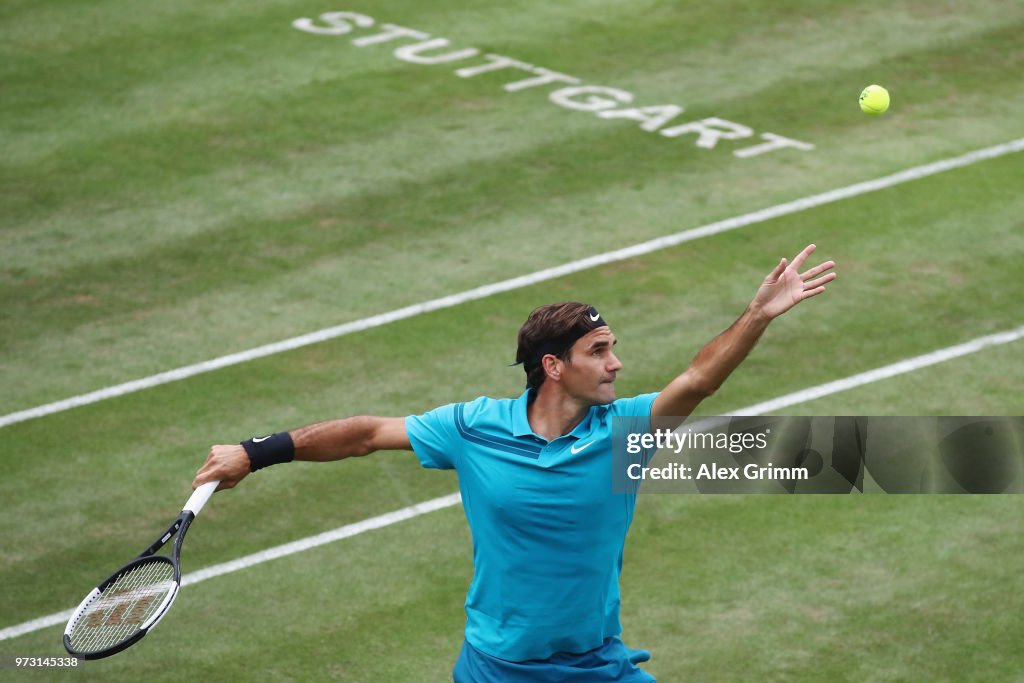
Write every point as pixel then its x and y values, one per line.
pixel 590 376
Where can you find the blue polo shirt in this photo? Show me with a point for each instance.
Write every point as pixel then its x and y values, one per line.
pixel 548 533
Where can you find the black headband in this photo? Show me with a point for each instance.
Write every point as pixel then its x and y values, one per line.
pixel 558 345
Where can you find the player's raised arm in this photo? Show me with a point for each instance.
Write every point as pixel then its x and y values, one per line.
pixel 331 440
pixel 781 290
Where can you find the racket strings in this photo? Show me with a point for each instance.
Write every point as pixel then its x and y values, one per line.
pixel 121 609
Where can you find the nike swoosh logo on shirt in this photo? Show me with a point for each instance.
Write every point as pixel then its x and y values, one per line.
pixel 578 449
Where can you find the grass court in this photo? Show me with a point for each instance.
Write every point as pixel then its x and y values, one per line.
pixel 188 180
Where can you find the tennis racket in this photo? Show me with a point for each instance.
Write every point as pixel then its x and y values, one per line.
pixel 128 604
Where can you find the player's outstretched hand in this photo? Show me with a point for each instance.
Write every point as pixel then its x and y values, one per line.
pixel 228 463
pixel 786 286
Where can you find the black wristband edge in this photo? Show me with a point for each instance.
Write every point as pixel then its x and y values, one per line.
pixel 269 450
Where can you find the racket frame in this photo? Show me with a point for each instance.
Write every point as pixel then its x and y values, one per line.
pixel 176 530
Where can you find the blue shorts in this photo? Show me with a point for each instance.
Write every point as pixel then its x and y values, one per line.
pixel 612 661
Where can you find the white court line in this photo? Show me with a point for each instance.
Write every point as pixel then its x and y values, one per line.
pixel 380 521
pixel 387 519
pixel 878 374
pixel 796 206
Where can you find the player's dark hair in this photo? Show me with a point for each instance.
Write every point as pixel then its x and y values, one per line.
pixel 553 329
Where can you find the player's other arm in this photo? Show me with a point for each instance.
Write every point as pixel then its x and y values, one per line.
pixel 780 291
pixel 711 366
pixel 350 437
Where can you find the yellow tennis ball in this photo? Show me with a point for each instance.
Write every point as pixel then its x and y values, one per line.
pixel 874 100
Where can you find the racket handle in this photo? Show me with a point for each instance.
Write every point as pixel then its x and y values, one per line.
pixel 200 496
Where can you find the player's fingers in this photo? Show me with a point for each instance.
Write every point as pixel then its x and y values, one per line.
pixel 203 473
pixel 823 280
pixel 198 480
pixel 211 456
pixel 227 480
pixel 211 470
pixel 206 473
pixel 818 270
pixel 230 465
pixel 807 294
pixel 799 259
pixel 776 272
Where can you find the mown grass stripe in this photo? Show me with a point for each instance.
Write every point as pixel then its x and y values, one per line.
pixel 914 173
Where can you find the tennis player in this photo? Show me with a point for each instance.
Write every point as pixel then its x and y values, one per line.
pixel 535 476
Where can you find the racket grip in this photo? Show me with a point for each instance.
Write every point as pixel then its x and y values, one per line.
pixel 200 496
